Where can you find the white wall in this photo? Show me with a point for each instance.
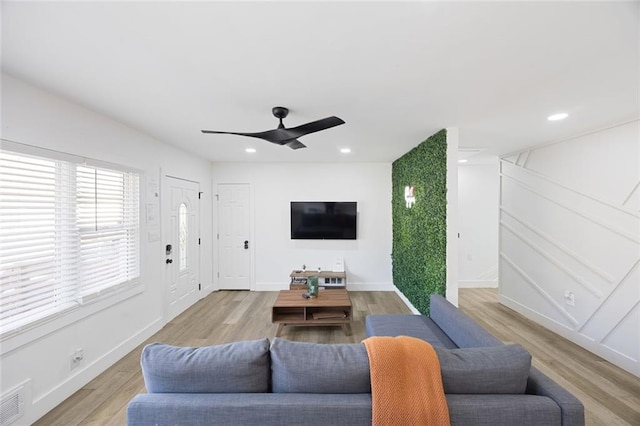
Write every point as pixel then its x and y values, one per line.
pixel 570 222
pixel 453 226
pixel 105 333
pixel 478 197
pixel 367 259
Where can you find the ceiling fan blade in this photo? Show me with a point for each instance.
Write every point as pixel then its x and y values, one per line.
pixel 270 135
pixel 295 144
pixel 284 136
pixel 314 126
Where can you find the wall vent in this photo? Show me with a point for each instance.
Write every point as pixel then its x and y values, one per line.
pixel 12 406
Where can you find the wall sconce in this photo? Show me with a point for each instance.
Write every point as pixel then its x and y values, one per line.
pixel 409 196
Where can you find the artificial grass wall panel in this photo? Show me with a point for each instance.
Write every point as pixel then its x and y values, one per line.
pixel 420 232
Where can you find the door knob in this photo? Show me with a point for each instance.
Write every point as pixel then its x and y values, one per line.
pixel 169 261
pixel 246 244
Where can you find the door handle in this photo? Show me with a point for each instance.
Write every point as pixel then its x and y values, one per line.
pixel 169 261
pixel 246 244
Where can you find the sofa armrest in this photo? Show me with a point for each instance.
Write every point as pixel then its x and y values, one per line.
pixel 460 328
pixel 570 406
pixel 417 326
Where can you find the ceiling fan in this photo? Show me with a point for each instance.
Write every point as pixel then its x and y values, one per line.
pixel 288 137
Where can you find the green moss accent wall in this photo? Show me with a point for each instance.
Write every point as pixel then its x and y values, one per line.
pixel 420 232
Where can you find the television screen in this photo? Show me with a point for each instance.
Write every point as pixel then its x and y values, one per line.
pixel 323 220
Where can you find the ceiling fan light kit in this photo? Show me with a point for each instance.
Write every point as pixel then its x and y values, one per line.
pixel 289 137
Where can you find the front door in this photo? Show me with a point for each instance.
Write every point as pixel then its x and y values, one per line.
pixel 234 245
pixel 182 251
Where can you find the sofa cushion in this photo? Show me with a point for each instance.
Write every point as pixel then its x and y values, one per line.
pixel 300 367
pixel 234 367
pixel 417 326
pixel 489 370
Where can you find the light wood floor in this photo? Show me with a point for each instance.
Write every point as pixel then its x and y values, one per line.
pixel 610 395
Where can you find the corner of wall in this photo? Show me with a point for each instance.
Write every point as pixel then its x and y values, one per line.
pixel 452 215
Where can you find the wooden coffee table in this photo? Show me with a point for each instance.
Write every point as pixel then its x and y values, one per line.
pixel 331 307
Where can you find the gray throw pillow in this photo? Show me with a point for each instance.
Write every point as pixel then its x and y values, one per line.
pixel 486 370
pixel 231 368
pixel 299 367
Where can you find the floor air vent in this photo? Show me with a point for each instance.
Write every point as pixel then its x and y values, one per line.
pixel 12 406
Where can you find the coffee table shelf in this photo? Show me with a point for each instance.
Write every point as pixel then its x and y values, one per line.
pixel 331 307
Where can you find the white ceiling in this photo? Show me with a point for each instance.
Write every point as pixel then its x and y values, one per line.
pixel 396 72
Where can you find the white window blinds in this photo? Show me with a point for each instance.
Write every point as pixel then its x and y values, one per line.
pixel 69 232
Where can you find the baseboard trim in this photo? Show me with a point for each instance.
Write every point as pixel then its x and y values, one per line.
pixel 62 391
pixel 406 301
pixel 616 358
pixel 478 284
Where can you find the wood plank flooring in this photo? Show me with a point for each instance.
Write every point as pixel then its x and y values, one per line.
pixel 611 396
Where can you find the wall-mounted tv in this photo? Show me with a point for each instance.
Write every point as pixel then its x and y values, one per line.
pixel 323 220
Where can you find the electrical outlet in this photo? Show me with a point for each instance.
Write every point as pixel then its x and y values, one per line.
pixel 569 298
pixel 77 357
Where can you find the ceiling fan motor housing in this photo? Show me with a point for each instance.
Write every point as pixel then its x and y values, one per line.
pixel 280 112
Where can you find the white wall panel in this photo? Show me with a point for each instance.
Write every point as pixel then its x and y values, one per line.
pixel 569 222
pixel 571 163
pixel 618 341
pixel 548 275
pixel 613 309
pixel 526 293
pixel 367 259
pixel 595 237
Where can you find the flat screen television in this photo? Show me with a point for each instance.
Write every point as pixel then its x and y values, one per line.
pixel 323 220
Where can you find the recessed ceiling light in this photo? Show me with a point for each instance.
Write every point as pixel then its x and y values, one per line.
pixel 345 150
pixel 559 116
pixel 250 150
pixel 462 161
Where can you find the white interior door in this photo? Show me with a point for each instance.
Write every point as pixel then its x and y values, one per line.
pixel 234 245
pixel 181 225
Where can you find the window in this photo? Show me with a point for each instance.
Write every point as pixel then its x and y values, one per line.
pixel 183 236
pixel 69 233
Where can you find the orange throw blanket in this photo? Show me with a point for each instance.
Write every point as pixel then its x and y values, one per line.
pixel 406 382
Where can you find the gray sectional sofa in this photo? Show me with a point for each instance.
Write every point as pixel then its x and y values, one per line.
pixel 293 383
